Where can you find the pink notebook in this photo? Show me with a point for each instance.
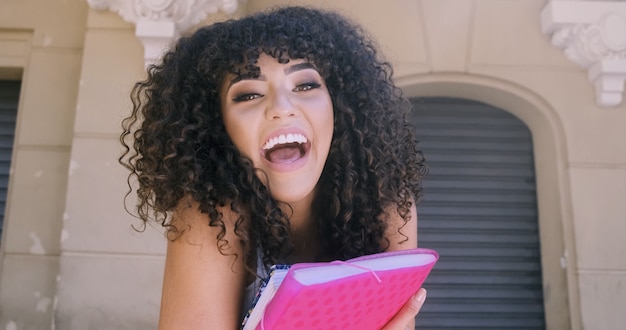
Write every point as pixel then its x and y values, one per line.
pixel 361 293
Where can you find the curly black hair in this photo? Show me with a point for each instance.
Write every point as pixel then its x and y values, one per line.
pixel 176 145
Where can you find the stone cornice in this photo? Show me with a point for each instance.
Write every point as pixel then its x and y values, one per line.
pixel 159 22
pixel 593 35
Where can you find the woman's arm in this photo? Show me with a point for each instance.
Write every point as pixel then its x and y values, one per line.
pixel 202 289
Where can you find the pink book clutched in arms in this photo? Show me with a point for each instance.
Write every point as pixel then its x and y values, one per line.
pixel 362 293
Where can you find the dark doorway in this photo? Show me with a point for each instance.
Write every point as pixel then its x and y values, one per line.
pixel 479 212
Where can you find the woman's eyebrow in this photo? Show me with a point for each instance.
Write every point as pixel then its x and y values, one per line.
pixel 239 78
pixel 298 67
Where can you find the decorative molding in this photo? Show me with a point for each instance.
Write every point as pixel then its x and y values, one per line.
pixel 159 22
pixel 593 35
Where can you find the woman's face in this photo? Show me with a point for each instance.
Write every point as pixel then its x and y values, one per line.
pixel 283 122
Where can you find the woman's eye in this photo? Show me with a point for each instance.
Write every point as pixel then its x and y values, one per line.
pixel 246 97
pixel 306 87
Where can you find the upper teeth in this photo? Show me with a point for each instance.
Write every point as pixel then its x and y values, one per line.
pixel 284 138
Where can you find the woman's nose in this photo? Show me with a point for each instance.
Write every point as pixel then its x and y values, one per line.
pixel 281 106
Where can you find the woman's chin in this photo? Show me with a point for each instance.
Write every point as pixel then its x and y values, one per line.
pixel 294 193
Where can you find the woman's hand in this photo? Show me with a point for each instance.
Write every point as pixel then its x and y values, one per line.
pixel 405 318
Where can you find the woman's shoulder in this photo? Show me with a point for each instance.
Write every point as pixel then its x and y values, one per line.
pixel 188 214
pixel 401 227
pixel 215 235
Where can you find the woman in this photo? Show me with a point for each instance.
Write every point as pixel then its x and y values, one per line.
pixel 276 138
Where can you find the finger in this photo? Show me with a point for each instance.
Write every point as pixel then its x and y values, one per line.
pixel 408 312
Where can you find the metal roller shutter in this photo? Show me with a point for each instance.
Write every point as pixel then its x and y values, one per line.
pixel 479 212
pixel 9 96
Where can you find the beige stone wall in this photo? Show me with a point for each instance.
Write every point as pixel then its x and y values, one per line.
pixel 41 44
pixel 67 237
pixel 109 274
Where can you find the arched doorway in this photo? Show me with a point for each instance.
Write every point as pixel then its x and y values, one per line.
pixel 479 211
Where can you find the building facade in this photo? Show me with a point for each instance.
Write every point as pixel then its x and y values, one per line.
pixel 69 257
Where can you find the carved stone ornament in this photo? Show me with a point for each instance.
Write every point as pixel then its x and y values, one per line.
pixel 593 35
pixel 159 22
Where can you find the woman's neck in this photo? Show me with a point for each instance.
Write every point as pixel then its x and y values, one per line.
pixel 304 231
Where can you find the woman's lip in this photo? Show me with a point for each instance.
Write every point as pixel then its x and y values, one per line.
pixel 287 166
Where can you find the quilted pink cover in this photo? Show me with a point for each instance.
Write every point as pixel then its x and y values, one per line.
pixel 358 302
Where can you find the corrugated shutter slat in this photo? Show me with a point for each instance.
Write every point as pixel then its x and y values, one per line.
pixel 9 96
pixel 479 212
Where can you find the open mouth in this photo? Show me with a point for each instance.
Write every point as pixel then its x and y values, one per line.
pixel 286 148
